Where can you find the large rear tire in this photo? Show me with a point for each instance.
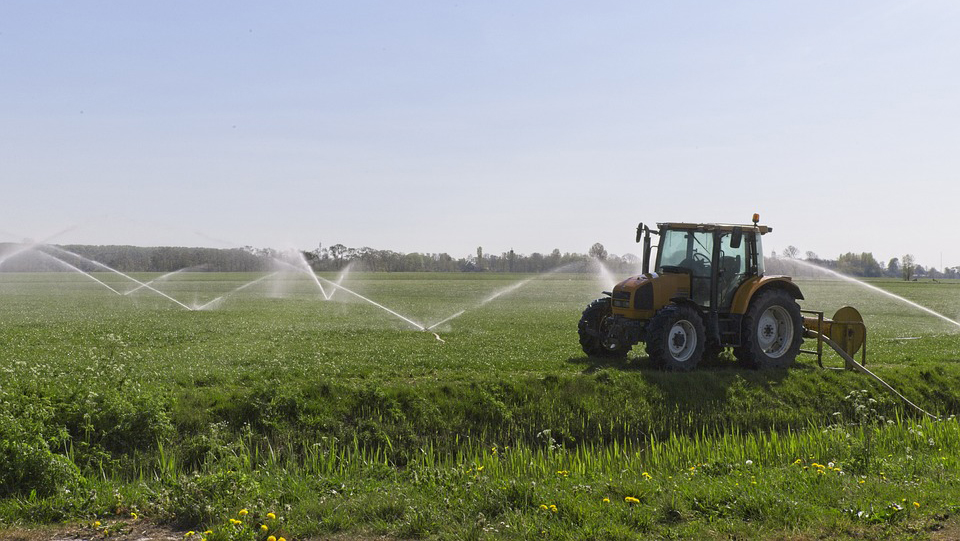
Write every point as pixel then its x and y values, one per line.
pixel 593 328
pixel 676 338
pixel 772 331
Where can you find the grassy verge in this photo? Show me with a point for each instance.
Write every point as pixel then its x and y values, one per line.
pixel 716 453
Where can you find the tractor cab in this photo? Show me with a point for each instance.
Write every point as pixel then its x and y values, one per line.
pixel 718 258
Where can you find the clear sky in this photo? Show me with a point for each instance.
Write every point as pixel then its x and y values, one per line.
pixel 441 126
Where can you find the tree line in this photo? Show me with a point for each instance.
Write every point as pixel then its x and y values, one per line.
pixel 862 264
pixel 338 256
pixel 332 258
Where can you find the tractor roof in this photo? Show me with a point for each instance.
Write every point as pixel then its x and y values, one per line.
pixel 762 229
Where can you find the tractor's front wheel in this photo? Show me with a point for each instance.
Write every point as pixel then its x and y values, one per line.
pixel 772 331
pixel 676 338
pixel 594 330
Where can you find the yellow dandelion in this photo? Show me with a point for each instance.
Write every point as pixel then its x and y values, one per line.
pixel 281 539
pixel 271 516
pixel 862 481
pixel 133 516
pixel 553 508
pixel 631 499
pixel 271 538
pixel 479 468
pixel 208 532
pixel 188 534
pixel 798 462
pixel 646 475
pixel 606 500
pixel 263 528
pixel 243 512
pixel 544 506
pixel 96 524
pixel 916 504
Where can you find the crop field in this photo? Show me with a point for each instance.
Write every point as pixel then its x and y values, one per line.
pixel 342 417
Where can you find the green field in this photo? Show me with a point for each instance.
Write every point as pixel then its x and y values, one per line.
pixel 341 417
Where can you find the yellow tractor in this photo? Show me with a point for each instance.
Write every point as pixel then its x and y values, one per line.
pixel 707 292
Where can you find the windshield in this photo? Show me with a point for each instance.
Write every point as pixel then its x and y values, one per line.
pixel 691 250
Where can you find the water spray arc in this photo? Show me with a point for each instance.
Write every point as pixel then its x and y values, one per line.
pixel 81 271
pixel 319 280
pixel 416 325
pixel 307 269
pixel 878 290
pixel 157 279
pixel 231 292
pixel 115 271
pixel 607 277
pixel 340 277
pixel 32 245
pixel 499 293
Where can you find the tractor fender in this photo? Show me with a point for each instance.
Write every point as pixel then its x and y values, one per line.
pixel 749 289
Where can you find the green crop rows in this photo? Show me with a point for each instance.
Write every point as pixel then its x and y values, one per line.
pixel 341 417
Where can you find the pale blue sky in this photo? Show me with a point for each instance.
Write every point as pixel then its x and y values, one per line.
pixel 440 126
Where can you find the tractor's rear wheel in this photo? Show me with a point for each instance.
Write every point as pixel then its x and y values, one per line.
pixel 593 330
pixel 676 338
pixel 772 331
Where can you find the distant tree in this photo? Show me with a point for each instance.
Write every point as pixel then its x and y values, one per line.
pixel 791 252
pixel 812 256
pixel 554 259
pixel 479 257
pixel 534 262
pixel 337 251
pixel 893 267
pixel 597 251
pixel 907 267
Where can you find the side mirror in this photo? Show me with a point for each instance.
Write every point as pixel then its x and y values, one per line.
pixel 736 238
pixel 639 231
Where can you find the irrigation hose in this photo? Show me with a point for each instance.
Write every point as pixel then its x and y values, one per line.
pixel 863 370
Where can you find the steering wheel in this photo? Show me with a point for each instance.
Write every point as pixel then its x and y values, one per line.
pixel 698 263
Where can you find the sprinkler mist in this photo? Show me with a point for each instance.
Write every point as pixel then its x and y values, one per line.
pixel 214 302
pixel 305 267
pixel 416 325
pixel 878 290
pixel 161 278
pixel 607 277
pixel 28 245
pixel 111 269
pixel 71 267
pixel 343 274
pixel 499 293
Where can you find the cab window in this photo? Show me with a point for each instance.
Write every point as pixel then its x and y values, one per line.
pixel 690 250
